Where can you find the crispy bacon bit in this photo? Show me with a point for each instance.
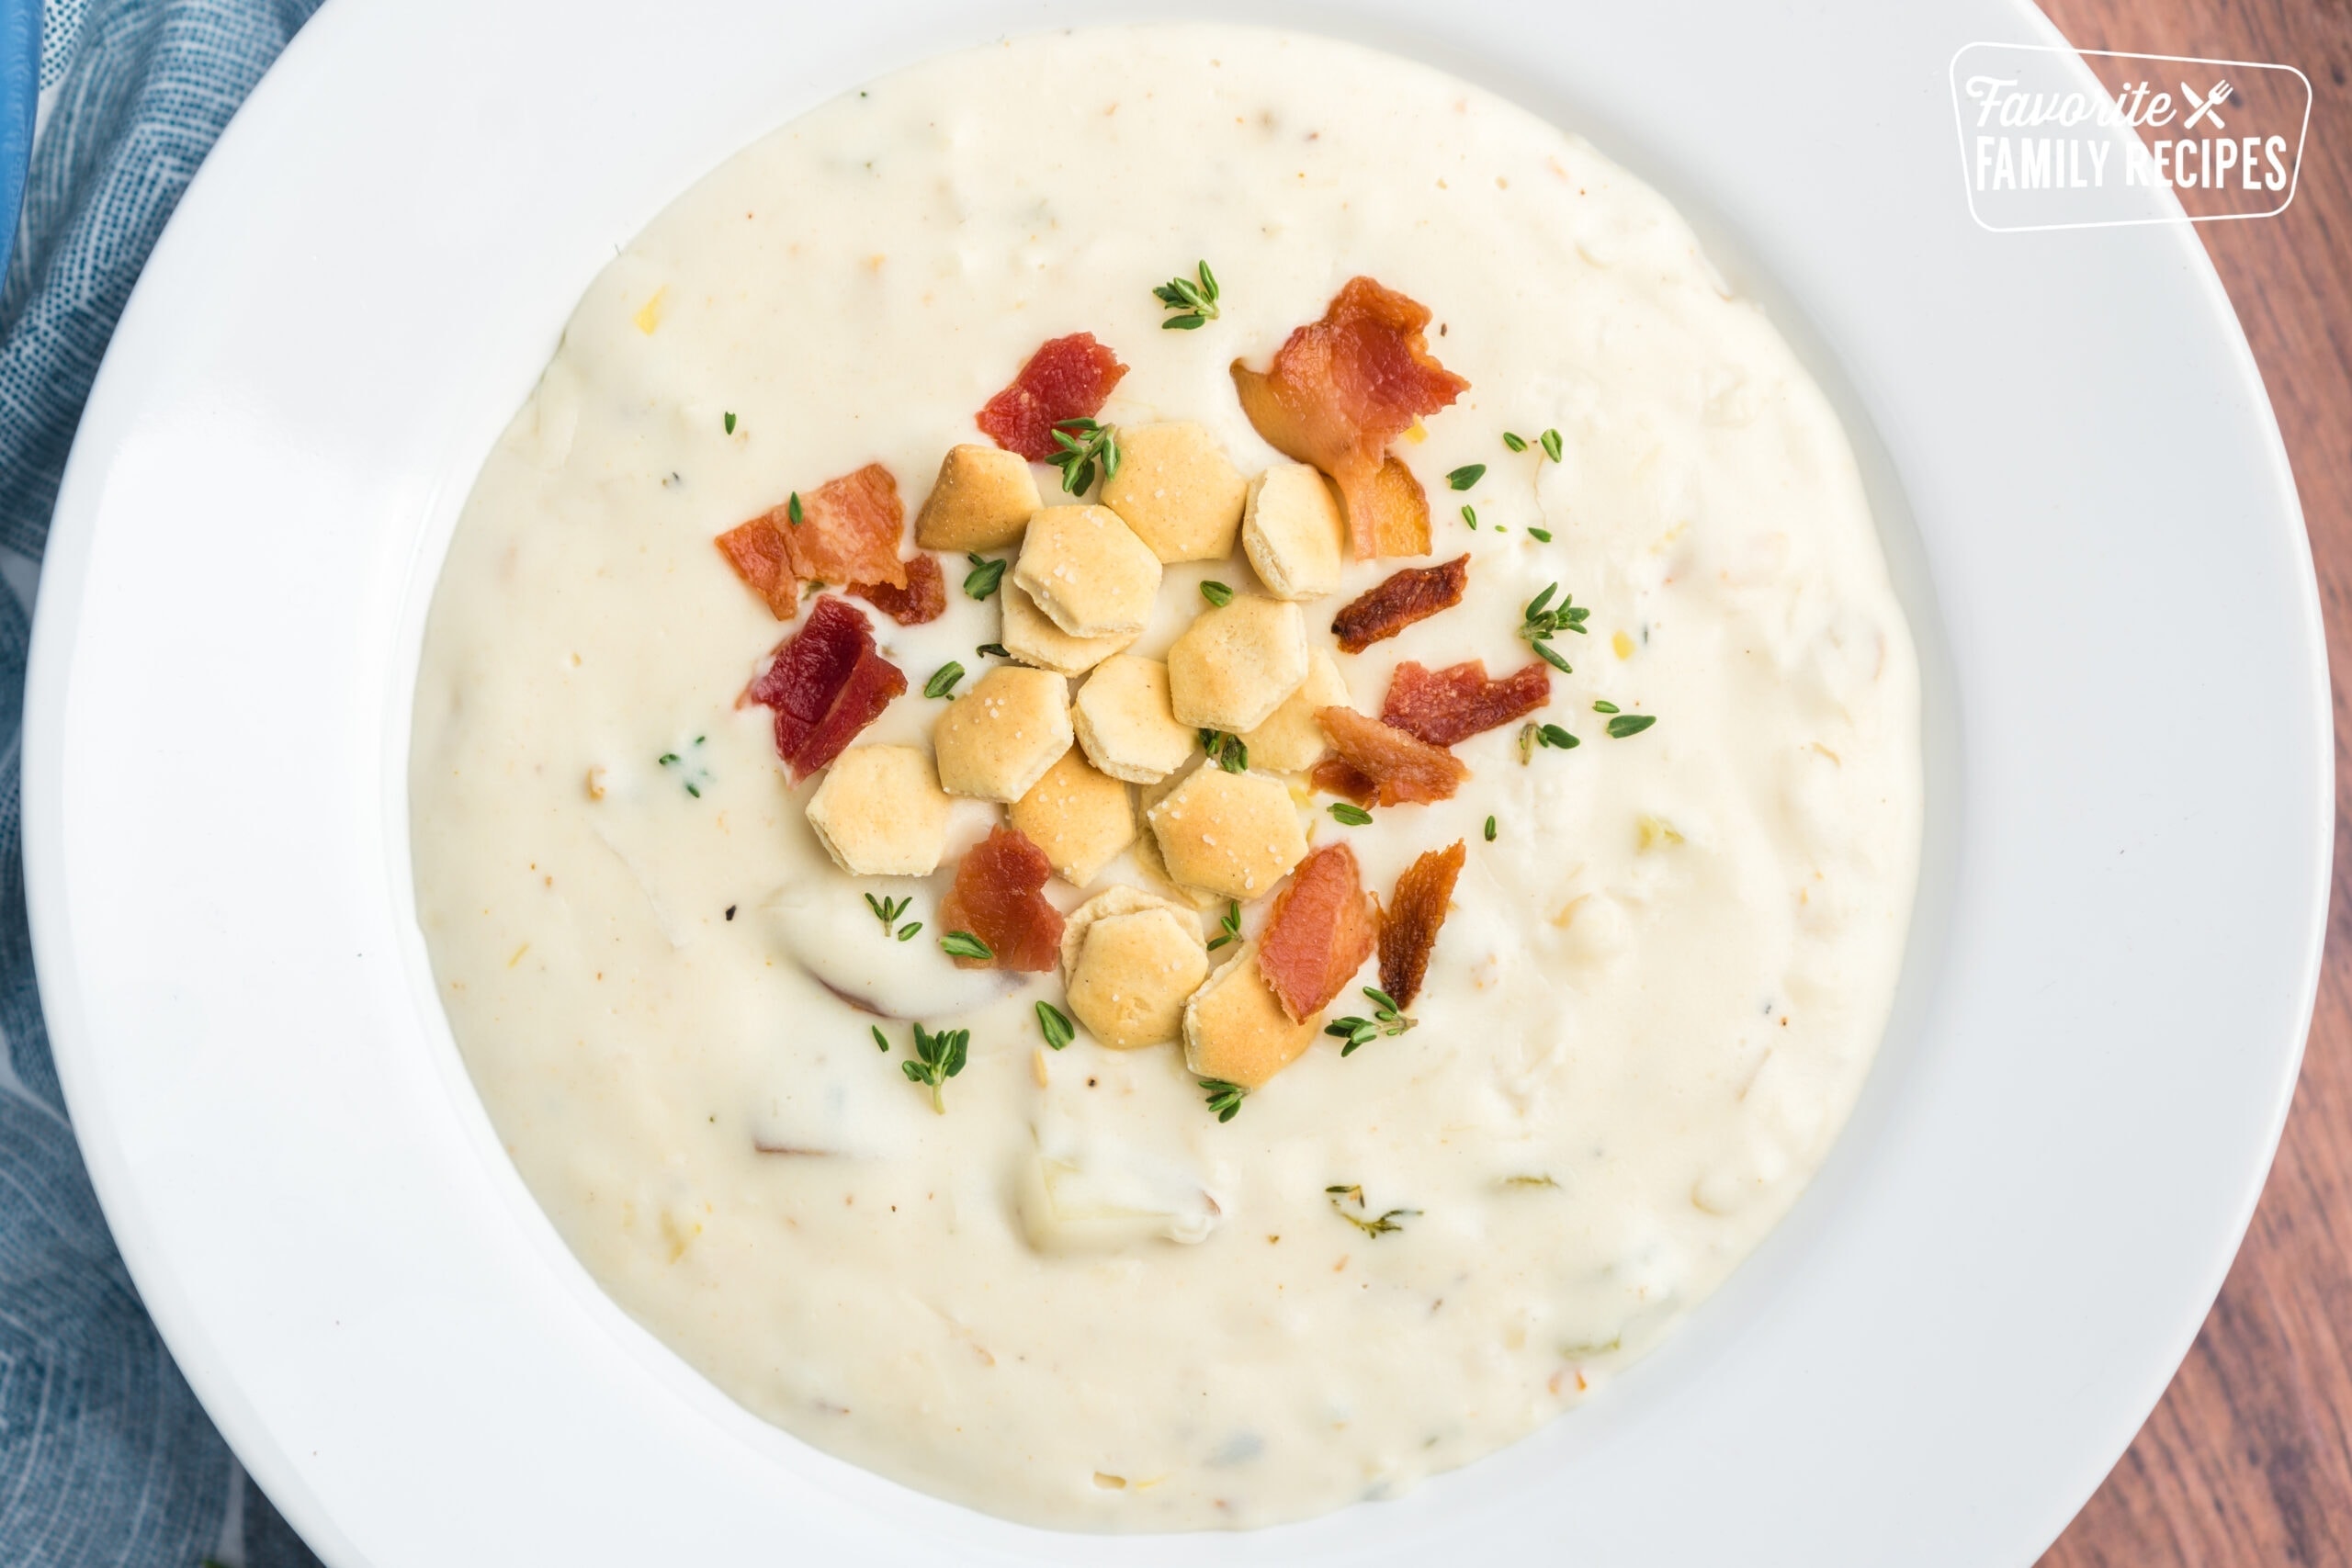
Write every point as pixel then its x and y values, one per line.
pixel 1442 706
pixel 998 897
pixel 826 683
pixel 760 558
pixel 1409 926
pixel 1413 594
pixel 925 598
pixel 1379 764
pixel 848 530
pixel 1321 930
pixel 1340 389
pixel 1398 508
pixel 1069 378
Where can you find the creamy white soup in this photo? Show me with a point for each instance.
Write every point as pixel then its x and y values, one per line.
pixel 1094 1278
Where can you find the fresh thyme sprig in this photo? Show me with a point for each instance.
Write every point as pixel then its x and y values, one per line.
pixel 888 910
pixel 1056 1027
pixel 964 945
pixel 1371 1224
pixel 1194 297
pixel 1386 1019
pixel 982 580
pixel 1225 1098
pixel 1085 444
pixel 1228 927
pixel 938 1057
pixel 1544 620
pixel 1225 751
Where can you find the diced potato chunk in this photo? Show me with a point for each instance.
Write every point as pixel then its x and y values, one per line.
pixel 1087 571
pixel 1029 637
pixel 1236 1030
pixel 1081 819
pixel 1234 665
pixel 1292 532
pixel 1235 834
pixel 1125 722
pixel 1177 490
pixel 997 739
pixel 1292 741
pixel 982 501
pixel 880 812
pixel 1134 973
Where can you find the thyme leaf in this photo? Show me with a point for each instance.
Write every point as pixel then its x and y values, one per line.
pixel 1225 1098
pixel 1228 926
pixel 1348 814
pixel 1055 1026
pixel 964 945
pixel 1193 298
pixel 1084 446
pixel 938 1057
pixel 1626 724
pixel 982 580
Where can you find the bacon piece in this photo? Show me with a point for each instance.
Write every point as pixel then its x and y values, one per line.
pixel 925 598
pixel 998 897
pixel 760 558
pixel 1442 706
pixel 1413 594
pixel 1379 764
pixel 1321 930
pixel 1409 926
pixel 848 530
pixel 1068 377
pixel 826 683
pixel 1340 391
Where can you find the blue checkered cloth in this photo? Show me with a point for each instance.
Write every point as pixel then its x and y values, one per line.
pixel 106 1461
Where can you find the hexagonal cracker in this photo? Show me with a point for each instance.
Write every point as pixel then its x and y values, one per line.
pixel 1234 834
pixel 880 812
pixel 1087 571
pixel 1233 666
pixel 997 739
pixel 1177 490
pixel 1081 818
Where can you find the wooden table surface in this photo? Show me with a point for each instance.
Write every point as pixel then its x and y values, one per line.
pixel 2248 1460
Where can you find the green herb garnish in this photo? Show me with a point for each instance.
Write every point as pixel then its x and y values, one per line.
pixel 994 651
pixel 1553 657
pixel 942 679
pixel 1543 619
pixel 1225 751
pixel 1603 705
pixel 1225 1098
pixel 964 945
pixel 1056 1028
pixel 887 911
pixel 1490 829
pixel 938 1057
pixel 1386 1020
pixel 1216 594
pixel 1526 744
pixel 1553 736
pixel 1230 927
pixel 792 509
pixel 1084 446
pixel 1373 1224
pixel 1195 299
pixel 1550 441
pixel 1516 443
pixel 1626 724
pixel 1466 475
pixel 1543 534
pixel 729 422
pixel 881 1041
pixel 1470 516
pixel 982 580
pixel 1348 814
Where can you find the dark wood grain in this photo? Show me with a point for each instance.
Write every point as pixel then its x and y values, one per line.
pixel 2248 1460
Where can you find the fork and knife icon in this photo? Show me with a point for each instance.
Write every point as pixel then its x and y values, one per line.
pixel 2207 107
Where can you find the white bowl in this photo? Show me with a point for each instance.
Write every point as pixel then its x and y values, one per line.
pixel 1933 1360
